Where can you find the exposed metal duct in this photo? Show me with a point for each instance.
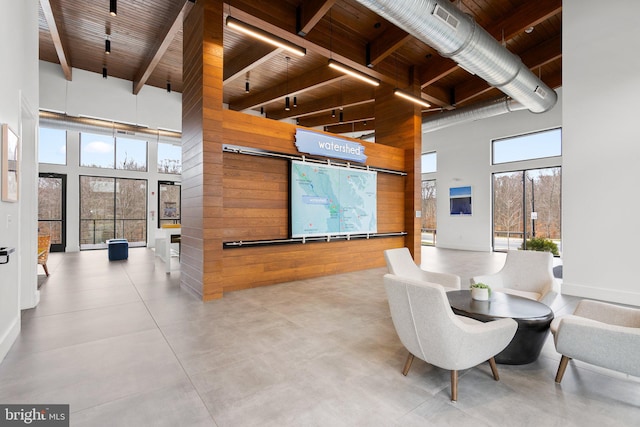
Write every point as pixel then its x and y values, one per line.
pixel 456 35
pixel 481 110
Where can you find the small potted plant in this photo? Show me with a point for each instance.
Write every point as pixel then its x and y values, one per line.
pixel 480 291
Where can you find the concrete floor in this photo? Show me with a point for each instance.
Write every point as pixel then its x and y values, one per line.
pixel 125 346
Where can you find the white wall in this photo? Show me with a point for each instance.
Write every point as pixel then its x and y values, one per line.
pixel 464 158
pixel 91 95
pixel 18 108
pixel 601 140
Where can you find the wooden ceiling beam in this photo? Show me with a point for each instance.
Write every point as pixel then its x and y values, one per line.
pixel 310 12
pixel 315 78
pixel 248 60
pixel 325 105
pixel 57 37
pixel 355 60
pixel 387 43
pixel 527 15
pixel 363 126
pixel 165 39
pixel 350 115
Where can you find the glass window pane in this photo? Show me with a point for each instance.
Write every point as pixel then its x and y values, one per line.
pixel 169 204
pixel 131 154
pixel 429 162
pixel 96 150
pixel 507 211
pixel 96 211
pixel 526 147
pixel 52 146
pixel 428 225
pixel 169 158
pixel 131 210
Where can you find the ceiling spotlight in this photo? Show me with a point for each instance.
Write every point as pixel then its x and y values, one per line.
pixel 265 36
pixel 353 73
pixel 107 46
pixel 411 97
pixel 113 7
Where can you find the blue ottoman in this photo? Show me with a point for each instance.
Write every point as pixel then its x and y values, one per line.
pixel 118 249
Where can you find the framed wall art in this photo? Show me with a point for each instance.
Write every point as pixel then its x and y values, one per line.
pixel 10 164
pixel 460 200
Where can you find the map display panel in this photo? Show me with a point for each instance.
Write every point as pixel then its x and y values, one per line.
pixel 330 200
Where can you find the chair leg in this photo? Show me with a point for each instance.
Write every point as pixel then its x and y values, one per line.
pixel 454 386
pixel 46 270
pixel 407 365
pixel 561 368
pixel 494 369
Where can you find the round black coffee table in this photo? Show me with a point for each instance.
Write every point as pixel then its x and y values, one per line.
pixel 533 319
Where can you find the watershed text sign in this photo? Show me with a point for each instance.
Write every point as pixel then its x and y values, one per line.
pixel 328 146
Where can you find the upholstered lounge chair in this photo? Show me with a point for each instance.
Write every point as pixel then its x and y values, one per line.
pixel 400 263
pixel 430 330
pixel 527 274
pixel 44 245
pixel 601 334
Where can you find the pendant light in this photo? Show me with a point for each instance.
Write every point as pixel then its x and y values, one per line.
pixel 287 106
pixel 113 7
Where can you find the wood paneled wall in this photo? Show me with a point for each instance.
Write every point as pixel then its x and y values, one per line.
pixel 399 124
pixel 201 257
pixel 256 206
pixel 230 197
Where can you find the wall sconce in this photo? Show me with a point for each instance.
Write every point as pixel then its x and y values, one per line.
pixel 264 36
pixel 411 98
pixel 353 73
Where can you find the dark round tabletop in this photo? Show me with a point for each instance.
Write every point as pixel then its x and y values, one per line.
pixel 498 306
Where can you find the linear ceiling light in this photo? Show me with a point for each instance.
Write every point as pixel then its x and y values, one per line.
pixel 264 36
pixel 411 98
pixel 353 73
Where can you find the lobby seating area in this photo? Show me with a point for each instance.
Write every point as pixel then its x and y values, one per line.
pixel 121 341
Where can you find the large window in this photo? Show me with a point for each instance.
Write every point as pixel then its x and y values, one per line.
pixel 169 158
pixel 112 208
pixel 428 225
pixel 104 151
pixel 52 146
pixel 526 204
pixel 429 162
pixel 168 203
pixel 131 154
pixel 536 145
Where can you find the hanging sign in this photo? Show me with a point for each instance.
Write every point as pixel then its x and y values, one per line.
pixel 329 146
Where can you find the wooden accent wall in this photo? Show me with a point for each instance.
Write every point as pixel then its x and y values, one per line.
pixel 201 258
pixel 399 124
pixel 256 207
pixel 230 197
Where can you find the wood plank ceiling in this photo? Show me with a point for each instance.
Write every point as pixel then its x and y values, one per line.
pixel 146 49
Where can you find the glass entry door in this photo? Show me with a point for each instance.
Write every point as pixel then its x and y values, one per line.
pixel 52 200
pixel 526 204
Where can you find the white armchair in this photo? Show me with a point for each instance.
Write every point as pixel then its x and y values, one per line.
pixel 430 330
pixel 601 334
pixel 400 263
pixel 527 274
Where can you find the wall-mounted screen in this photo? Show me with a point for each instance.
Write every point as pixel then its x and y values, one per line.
pixel 460 200
pixel 331 200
